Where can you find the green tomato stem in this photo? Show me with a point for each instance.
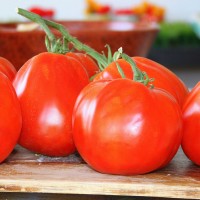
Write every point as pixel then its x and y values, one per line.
pixel 36 18
pixel 77 44
pixel 102 60
pixel 137 73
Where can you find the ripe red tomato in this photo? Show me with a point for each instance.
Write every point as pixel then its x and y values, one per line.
pixel 89 64
pixel 163 77
pixel 47 87
pixel 123 127
pixel 7 68
pixel 10 115
pixel 191 125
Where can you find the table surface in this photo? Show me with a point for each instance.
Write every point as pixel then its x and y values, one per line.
pixel 26 172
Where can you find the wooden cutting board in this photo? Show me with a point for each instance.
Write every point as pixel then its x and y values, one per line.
pixel 27 172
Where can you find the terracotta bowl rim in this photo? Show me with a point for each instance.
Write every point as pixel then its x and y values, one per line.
pixel 107 26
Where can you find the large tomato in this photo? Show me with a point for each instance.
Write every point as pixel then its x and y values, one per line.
pixel 191 125
pixel 7 68
pixel 47 86
pixel 89 64
pixel 163 77
pixel 124 127
pixel 10 115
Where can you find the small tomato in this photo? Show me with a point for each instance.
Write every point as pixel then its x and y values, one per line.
pixel 88 63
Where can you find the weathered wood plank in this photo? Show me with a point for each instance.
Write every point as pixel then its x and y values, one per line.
pixel 25 172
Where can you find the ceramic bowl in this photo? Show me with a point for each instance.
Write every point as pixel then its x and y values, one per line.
pixel 19 44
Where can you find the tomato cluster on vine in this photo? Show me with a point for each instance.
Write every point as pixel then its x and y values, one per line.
pixel 124 115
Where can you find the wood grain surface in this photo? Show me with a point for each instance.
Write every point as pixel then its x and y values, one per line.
pixel 25 172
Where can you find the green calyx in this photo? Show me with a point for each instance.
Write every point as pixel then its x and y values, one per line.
pixel 62 46
pixel 59 46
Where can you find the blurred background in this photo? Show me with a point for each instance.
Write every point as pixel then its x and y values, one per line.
pixel 75 9
pixel 177 45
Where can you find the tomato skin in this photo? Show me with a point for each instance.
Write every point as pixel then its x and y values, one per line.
pixel 10 115
pixel 163 77
pixel 47 87
pixel 88 63
pixel 119 127
pixel 191 125
pixel 7 68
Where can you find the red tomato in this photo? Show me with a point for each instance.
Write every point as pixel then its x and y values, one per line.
pixel 89 64
pixel 163 77
pixel 191 125
pixel 47 87
pixel 10 115
pixel 123 127
pixel 7 68
pixel 45 13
